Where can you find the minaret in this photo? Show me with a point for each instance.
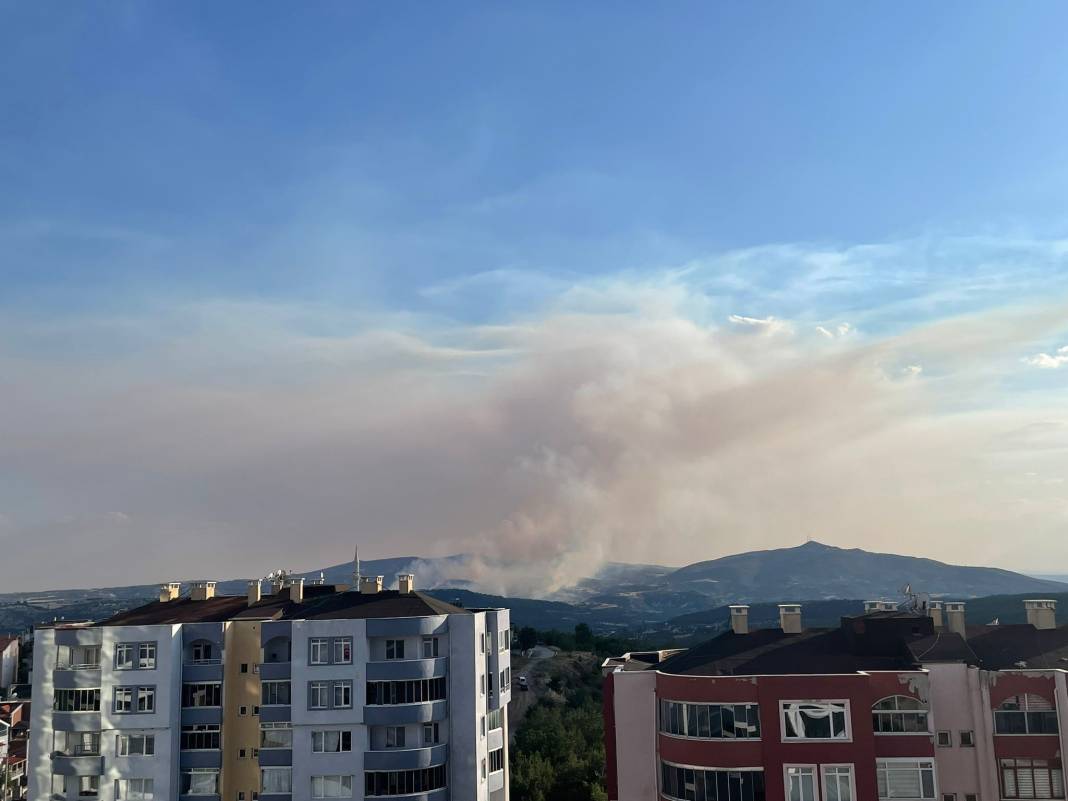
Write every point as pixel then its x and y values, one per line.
pixel 356 570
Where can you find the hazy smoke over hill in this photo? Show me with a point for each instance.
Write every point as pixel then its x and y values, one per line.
pixel 626 423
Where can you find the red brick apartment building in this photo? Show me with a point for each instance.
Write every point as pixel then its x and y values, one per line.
pixel 892 705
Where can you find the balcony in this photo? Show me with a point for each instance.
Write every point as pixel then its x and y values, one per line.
pixel 273 671
pixel 400 714
pixel 406 758
pixel 76 721
pixel 88 765
pixel 401 669
pixel 79 678
pixel 202 670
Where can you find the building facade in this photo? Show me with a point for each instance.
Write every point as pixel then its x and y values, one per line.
pixel 890 705
pixel 305 692
pixel 9 662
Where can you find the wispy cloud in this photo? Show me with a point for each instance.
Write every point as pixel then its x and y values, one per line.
pixel 1049 361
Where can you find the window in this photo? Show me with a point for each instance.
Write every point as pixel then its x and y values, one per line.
pixel 496 760
pixel 394 737
pixel 722 785
pixel 838 783
pixel 403 782
pixel 710 721
pixel 196 694
pixel 482 726
pixel 135 699
pixel 201 737
pixel 1031 778
pixel 240 795
pixel 88 786
pixel 405 692
pixel 949 797
pixel 133 789
pixel 495 718
pixel 146 656
pixel 905 778
pixel 244 667
pixel 76 700
pixel 342 694
pixel 504 639
pixel 482 641
pixel 200 781
pixel 483 769
pixel 967 738
pixel 815 720
pixel 1025 714
pixel 275 693
pixel 394 649
pixel 255 710
pixel 899 714
pixel 971 797
pixel 318 653
pixel 240 753
pixel 331 741
pixel 800 783
pixel 331 786
pixel 203 653
pixel 146 699
pixel 242 710
pixel 506 679
pixel 124 656
pixel 135 745
pixel 343 652
pixel 317 695
pixel 944 739
pixel 276 735
pixel 483 683
pixel 431 734
pixel 277 781
pixel 430 647
pixel 77 743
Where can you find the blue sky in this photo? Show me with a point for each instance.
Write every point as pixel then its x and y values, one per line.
pixel 204 195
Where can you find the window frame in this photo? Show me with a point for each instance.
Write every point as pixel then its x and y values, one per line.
pixel 181 780
pixel 848 719
pixel 923 711
pixel 851 772
pixel 1025 712
pixel 344 738
pixel 932 761
pixel 341 777
pixel 1051 766
pixel 276 726
pixel 346 644
pixel 800 766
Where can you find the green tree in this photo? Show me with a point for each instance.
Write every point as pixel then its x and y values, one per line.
pixel 528 638
pixel 583 636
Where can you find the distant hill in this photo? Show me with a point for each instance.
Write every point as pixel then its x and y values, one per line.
pixel 815 570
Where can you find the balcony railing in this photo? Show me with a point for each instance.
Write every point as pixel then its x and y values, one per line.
pixel 81 666
pixel 203 662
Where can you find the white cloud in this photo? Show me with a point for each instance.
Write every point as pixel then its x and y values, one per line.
pixel 769 325
pixel 1049 361
pixel 836 331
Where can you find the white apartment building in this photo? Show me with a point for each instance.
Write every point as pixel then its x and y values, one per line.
pixel 306 692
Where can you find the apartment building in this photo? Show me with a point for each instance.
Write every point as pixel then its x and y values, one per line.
pixel 305 691
pixel 9 662
pixel 894 704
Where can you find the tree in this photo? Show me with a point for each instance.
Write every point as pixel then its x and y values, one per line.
pixel 583 636
pixel 528 638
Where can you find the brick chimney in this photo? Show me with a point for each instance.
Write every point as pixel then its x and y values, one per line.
pixel 1042 614
pixel 955 618
pixel 739 618
pixel 934 611
pixel 790 618
pixel 370 585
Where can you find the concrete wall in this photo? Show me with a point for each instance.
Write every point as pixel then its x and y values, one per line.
pixel 39 765
pixel 9 664
pixel 634 711
pixel 242 647
pixel 467 707
pixel 959 703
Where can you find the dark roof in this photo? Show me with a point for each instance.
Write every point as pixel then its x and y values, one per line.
pixel 944 646
pixel 1002 647
pixel 320 602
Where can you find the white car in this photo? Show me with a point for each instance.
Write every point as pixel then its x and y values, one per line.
pixel 523 684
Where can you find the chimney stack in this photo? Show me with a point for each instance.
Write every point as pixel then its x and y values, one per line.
pixel 370 585
pixel 169 591
pixel 934 611
pixel 790 618
pixel 254 592
pixel 296 590
pixel 739 618
pixel 405 583
pixel 1042 614
pixel 202 590
pixel 955 617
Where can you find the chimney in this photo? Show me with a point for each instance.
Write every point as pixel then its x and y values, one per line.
pixel 202 590
pixel 739 618
pixel 296 590
pixel 955 617
pixel 871 606
pixel 169 591
pixel 277 582
pixel 369 585
pixel 1042 614
pixel 254 590
pixel 790 618
pixel 934 611
pixel 405 583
